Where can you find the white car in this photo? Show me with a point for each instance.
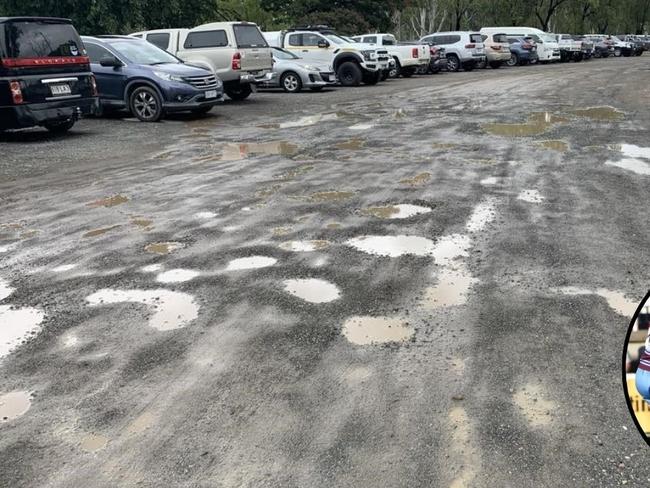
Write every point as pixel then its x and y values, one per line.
pixel 464 49
pixel 408 57
pixel 235 51
pixel 547 47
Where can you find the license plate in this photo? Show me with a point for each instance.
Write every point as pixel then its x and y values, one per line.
pixel 211 94
pixel 62 89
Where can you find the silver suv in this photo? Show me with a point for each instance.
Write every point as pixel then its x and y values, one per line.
pixel 464 49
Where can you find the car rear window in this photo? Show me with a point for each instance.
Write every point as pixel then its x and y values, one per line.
pixel 476 38
pixel 40 39
pixel 160 39
pixel 199 39
pixel 249 36
pixel 500 38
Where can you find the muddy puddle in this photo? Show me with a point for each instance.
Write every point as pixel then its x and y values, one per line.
pixel 416 180
pixel 450 248
pixel 14 404
pixel 530 196
pixel 5 289
pixel 168 309
pixel 18 325
pixel 600 113
pixel 451 290
pixel 251 262
pixel 108 202
pixel 635 159
pixel 490 181
pixel 141 423
pixel 483 214
pixel 295 172
pixel 100 232
pixel 205 215
pixel 400 211
pixel 616 300
pixel 330 196
pixel 151 268
pixel 312 290
pixel 177 276
pixel 534 406
pixel 365 330
pixel 393 246
pixel 93 442
pixel 361 127
pixel 537 123
pixel 554 145
pixel 305 246
pixel 353 144
pixel 308 121
pixel 163 248
pixel 238 151
pixel 144 224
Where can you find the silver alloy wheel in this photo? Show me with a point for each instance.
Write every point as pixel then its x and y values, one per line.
pixel 145 104
pixel 453 64
pixel 291 82
pixel 512 61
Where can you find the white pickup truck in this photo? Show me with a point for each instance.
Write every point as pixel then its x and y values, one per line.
pixel 408 57
pixel 236 51
pixel 570 49
pixel 353 63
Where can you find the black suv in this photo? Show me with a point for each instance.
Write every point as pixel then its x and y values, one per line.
pixel 45 77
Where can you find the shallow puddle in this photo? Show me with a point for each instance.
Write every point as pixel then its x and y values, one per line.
pixel 451 290
pixel 168 309
pixel 304 246
pixel 537 123
pixel 151 268
pixel 600 113
pixel 353 144
pixel 252 262
pixel 366 330
pixel 393 246
pixel 99 232
pixel 64 268
pixel 294 172
pixel 401 211
pixel 330 196
pixel 205 215
pixel 312 290
pixel 417 180
pixel 554 145
pixel 530 196
pixel 308 120
pixel 5 289
pixel 17 325
pixel 14 404
pixel 616 300
pixel 361 127
pixel 163 247
pixel 145 224
pixel 235 152
pixel 448 249
pixel 177 276
pixel 108 202
pixel 633 160
pixel 536 409
pixel 69 340
pixel 490 181
pixel 93 442
pixel 141 423
pixel 481 216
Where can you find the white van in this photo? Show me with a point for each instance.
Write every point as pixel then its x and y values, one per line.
pixel 548 48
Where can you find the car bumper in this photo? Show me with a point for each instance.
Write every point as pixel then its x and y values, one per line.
pixel 322 78
pixel 35 114
pixel 198 101
pixel 253 78
pixel 498 56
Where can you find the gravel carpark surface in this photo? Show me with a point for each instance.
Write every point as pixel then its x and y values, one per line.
pixel 493 356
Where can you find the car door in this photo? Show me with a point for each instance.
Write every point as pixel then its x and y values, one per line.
pixel 305 45
pixel 111 81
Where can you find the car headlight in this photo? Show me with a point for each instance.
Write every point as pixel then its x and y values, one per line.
pixel 369 55
pixel 168 77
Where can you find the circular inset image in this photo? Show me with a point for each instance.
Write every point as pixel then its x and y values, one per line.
pixel 636 368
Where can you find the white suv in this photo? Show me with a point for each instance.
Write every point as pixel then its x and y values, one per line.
pixel 464 49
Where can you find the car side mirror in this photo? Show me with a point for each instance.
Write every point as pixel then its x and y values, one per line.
pixel 323 44
pixel 110 61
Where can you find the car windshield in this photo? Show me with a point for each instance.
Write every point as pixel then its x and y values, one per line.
pixel 282 54
pixel 548 38
pixel 142 52
pixel 336 39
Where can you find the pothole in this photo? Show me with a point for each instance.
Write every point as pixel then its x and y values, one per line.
pixel 251 262
pixel 537 123
pixel 312 290
pixel 235 152
pixel 177 276
pixel 451 290
pixel 533 405
pixel 554 145
pixel 635 159
pixel 14 404
pixel 330 196
pixel 108 202
pixel 450 248
pixel 365 330
pixel 393 246
pixel 304 246
pixel 416 180
pixel 400 211
pixel 600 113
pixel 530 196
pixel 99 232
pixel 93 442
pixel 163 247
pixel 17 325
pixel 482 215
pixel 353 144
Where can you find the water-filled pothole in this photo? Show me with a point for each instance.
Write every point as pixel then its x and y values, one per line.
pixel 365 330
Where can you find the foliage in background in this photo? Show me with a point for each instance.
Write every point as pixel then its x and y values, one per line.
pixel 408 19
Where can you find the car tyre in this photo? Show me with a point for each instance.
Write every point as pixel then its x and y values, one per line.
pixel 513 61
pixel 407 72
pixel 238 92
pixel 145 104
pixel 60 127
pixel 349 74
pixel 395 72
pixel 453 63
pixel 291 82
pixel 371 78
pixel 617 52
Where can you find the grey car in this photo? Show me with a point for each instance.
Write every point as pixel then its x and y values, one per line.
pixel 292 73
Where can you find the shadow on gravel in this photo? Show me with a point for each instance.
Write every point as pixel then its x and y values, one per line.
pixel 39 135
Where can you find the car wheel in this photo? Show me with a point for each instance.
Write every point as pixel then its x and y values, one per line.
pixel 201 110
pixel 60 127
pixel 371 78
pixel 395 72
pixel 481 64
pixel 533 61
pixel 407 72
pixel 349 74
pixel 495 64
pixel 513 61
pixel 453 63
pixel 316 88
pixel 145 104
pixel 238 92
pixel 617 52
pixel 291 82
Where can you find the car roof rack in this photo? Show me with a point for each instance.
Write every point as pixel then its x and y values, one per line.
pixel 315 28
pixel 113 36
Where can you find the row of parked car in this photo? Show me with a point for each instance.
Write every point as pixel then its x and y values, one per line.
pixel 50 76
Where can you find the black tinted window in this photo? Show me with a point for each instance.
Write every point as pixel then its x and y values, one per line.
pixel 475 38
pixel 96 53
pixel 311 39
pixel 453 39
pixel 295 40
pixel 200 39
pixel 370 40
pixel 160 40
pixel 42 39
pixel 500 38
pixel 249 36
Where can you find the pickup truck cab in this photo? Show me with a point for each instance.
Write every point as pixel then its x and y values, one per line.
pixel 408 57
pixel 352 62
pixel 570 49
pixel 547 47
pixel 235 51
pixel 45 77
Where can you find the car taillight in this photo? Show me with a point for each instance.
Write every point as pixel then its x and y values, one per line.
pixel 496 48
pixel 16 92
pixel 236 61
pixel 415 52
pixel 526 46
pixel 470 46
pixel 93 86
